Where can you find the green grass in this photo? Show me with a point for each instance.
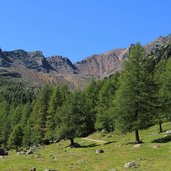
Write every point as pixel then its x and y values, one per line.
pixel 117 152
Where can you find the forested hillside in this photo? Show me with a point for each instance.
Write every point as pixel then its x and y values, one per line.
pixel 133 99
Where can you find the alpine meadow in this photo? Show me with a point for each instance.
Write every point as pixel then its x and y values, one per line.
pixel 109 111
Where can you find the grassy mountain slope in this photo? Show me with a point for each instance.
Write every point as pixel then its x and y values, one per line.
pixel 153 155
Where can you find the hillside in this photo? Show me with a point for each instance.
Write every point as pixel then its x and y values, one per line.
pixel 36 70
pixel 153 155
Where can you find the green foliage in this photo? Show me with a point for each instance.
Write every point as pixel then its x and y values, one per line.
pixel 135 96
pixel 104 108
pixel 26 112
pixel 58 97
pixel 165 89
pixel 39 114
pixel 15 93
pixel 4 123
pixel 76 118
pixel 28 139
pixel 15 139
pixel 134 99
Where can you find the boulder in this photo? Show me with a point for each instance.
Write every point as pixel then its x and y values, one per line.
pixel 29 152
pixel 168 132
pixel 33 169
pixel 21 153
pixel 3 152
pixel 99 151
pixel 137 145
pixel 131 164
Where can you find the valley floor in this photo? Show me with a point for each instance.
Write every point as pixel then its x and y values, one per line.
pixel 153 155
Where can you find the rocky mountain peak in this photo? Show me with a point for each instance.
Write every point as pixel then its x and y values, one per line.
pixel 62 64
pixel 36 54
pixel 159 43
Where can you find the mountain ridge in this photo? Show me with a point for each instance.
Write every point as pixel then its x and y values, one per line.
pixel 36 70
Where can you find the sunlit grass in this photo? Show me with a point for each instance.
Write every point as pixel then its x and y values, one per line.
pixel 117 152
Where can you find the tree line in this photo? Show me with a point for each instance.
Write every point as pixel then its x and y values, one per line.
pixel 136 98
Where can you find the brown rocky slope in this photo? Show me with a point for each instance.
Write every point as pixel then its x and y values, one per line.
pixel 35 70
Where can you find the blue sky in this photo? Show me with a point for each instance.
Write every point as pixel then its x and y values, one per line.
pixel 79 28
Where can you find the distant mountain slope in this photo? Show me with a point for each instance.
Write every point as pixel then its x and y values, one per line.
pixel 35 70
pixel 103 64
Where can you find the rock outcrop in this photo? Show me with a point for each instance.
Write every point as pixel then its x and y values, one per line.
pixel 62 65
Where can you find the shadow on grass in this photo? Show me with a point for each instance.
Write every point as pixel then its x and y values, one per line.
pixel 76 145
pixel 133 143
pixel 162 140
pixel 88 146
pixel 109 142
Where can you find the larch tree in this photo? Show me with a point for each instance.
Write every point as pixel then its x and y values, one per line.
pixel 39 114
pixel 76 117
pixel 165 91
pixel 104 116
pixel 134 101
pixel 15 139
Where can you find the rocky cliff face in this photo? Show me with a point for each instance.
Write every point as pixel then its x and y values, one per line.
pixel 103 64
pixel 62 65
pixel 36 70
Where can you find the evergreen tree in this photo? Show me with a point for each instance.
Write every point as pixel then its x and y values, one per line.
pixel 15 139
pixel 104 116
pixel 4 123
pixel 165 92
pixel 28 138
pixel 39 114
pixel 57 99
pixel 76 117
pixel 135 97
pixel 26 112
pixel 92 91
pixel 16 115
pixel 161 108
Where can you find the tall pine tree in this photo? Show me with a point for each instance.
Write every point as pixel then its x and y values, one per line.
pixel 76 117
pixel 134 100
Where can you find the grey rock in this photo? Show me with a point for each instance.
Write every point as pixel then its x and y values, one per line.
pixel 33 169
pixel 131 164
pixel 29 152
pixel 62 65
pixel 21 153
pixel 3 152
pixel 137 145
pixel 98 151
pixel 168 132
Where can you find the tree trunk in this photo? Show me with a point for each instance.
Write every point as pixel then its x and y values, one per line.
pixel 137 138
pixel 72 141
pixel 160 127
